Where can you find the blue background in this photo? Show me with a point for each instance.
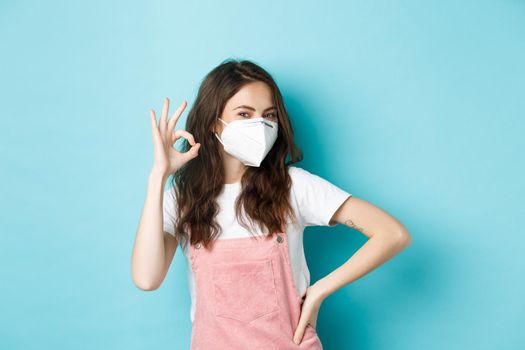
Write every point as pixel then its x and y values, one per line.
pixel 415 106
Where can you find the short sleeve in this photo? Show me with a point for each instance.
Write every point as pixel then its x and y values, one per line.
pixel 317 199
pixel 168 209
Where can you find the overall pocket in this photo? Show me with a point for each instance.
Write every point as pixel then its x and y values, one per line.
pixel 244 291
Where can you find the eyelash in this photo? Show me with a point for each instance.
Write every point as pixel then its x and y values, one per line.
pixel 266 114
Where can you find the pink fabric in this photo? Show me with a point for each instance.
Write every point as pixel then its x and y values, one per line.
pixel 246 297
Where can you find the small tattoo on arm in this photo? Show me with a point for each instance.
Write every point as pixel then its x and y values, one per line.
pixel 352 225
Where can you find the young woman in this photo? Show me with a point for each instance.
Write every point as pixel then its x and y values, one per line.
pixel 237 207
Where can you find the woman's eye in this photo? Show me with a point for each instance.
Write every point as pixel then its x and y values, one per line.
pixel 269 115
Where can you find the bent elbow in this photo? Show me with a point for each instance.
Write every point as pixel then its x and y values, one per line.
pixel 146 286
pixel 403 237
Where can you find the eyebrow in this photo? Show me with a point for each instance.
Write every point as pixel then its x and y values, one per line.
pixel 253 109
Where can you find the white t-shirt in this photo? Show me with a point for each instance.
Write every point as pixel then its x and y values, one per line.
pixel 313 199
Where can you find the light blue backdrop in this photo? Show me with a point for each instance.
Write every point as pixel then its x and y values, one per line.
pixel 415 106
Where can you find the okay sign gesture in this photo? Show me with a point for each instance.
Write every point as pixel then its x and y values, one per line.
pixel 166 158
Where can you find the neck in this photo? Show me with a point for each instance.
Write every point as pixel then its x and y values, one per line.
pixel 233 168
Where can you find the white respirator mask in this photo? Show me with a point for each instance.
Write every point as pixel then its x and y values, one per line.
pixel 248 140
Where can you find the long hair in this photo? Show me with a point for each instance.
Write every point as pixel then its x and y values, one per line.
pixel 265 189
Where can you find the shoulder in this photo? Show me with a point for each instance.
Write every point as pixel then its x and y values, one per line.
pixel 301 177
pixel 305 183
pixel 298 173
pixel 317 198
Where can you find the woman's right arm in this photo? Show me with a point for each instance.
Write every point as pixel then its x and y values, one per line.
pixel 154 249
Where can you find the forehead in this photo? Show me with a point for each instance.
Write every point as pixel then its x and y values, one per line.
pixel 257 94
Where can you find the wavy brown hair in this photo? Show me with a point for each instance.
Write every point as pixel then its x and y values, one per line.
pixel 265 189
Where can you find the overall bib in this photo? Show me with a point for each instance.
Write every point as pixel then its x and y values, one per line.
pixel 246 296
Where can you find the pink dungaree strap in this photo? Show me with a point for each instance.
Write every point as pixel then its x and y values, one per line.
pixel 246 298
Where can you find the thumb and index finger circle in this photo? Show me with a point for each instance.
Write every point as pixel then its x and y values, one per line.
pixel 193 151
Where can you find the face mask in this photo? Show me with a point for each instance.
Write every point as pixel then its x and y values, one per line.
pixel 248 140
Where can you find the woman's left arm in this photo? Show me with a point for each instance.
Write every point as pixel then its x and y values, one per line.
pixel 387 236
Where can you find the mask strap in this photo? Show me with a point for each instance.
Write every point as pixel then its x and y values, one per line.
pixel 218 138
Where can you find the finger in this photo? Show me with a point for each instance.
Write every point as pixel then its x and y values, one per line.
pixel 176 115
pixel 164 116
pixel 299 332
pixel 157 141
pixel 192 152
pixel 183 133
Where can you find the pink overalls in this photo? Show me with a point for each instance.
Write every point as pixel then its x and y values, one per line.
pixel 246 298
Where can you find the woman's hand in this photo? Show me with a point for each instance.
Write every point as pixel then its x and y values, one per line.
pixel 166 158
pixel 309 311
